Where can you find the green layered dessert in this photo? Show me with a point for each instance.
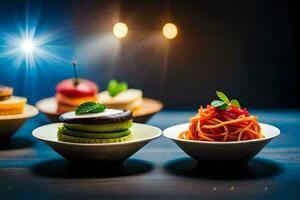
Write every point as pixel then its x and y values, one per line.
pixel 93 123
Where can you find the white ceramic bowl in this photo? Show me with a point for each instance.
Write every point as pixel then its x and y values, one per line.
pixel 9 124
pixel 103 152
pixel 237 151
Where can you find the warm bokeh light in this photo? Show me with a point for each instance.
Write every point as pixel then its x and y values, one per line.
pixel 169 31
pixel 120 30
pixel 28 46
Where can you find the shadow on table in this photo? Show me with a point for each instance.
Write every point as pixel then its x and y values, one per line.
pixel 64 169
pixel 256 168
pixel 16 143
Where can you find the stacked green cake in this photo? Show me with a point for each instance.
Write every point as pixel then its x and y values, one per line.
pixel 93 123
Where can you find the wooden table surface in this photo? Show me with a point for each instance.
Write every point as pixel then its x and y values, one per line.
pixel 29 169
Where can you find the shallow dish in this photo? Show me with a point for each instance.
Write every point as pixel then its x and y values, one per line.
pixel 150 107
pixel 9 124
pixel 100 152
pixel 236 151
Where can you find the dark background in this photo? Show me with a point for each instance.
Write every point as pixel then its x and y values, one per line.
pixel 248 49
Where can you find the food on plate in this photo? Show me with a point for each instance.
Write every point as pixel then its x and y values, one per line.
pixel 118 96
pixel 70 93
pixel 9 104
pixel 221 121
pixel 94 123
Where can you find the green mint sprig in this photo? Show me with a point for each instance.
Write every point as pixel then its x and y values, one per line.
pixel 114 87
pixel 224 102
pixel 89 107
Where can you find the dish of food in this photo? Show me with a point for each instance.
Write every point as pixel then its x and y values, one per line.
pixel 223 121
pixel 111 152
pixel 118 96
pixel 70 93
pixel 9 104
pixel 93 123
pixel 222 132
pixel 219 151
pixel 13 112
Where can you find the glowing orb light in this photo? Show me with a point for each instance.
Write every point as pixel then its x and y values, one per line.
pixel 28 46
pixel 120 30
pixel 169 31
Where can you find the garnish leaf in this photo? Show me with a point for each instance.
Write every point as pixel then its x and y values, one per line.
pixel 89 107
pixel 123 86
pixel 219 104
pixel 114 87
pixel 235 103
pixel 223 97
pixel 224 102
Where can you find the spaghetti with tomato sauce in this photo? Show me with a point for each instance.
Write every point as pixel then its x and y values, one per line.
pixel 216 125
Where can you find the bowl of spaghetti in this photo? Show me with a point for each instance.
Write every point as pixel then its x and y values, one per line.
pixel 222 131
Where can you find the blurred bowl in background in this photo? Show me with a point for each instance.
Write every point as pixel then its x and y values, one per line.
pixel 9 124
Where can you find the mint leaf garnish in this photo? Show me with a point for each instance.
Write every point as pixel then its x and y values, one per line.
pixel 114 87
pixel 224 102
pixel 219 104
pixel 235 103
pixel 222 96
pixel 89 107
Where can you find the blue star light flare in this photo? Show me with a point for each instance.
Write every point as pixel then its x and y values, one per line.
pixel 34 51
pixel 30 48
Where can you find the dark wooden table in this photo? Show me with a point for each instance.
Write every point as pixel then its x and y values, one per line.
pixel 29 169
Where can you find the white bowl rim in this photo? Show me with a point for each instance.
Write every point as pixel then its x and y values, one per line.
pixel 221 143
pixel 33 111
pixel 99 144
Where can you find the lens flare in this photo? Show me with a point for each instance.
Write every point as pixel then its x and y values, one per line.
pixel 28 46
pixel 29 43
pixel 120 30
pixel 35 52
pixel 169 31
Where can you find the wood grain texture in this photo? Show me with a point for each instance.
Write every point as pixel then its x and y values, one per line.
pixel 31 170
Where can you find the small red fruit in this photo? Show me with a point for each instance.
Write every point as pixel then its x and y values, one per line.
pixel 83 89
